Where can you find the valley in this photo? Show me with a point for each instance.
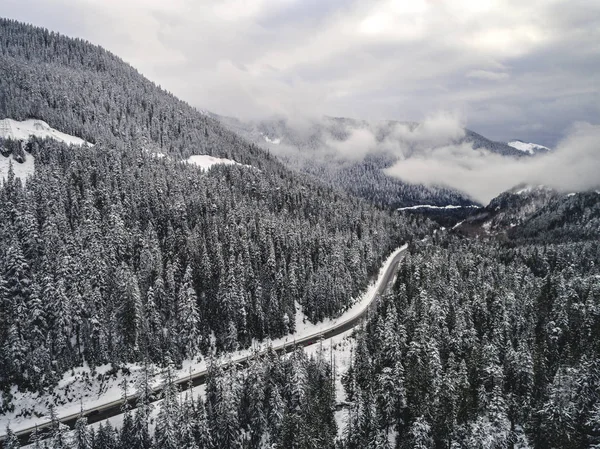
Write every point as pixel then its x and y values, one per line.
pixel 175 278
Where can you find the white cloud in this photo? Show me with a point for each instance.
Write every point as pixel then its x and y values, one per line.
pixel 573 166
pixel 356 146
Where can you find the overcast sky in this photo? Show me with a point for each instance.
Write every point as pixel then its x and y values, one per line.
pixel 525 69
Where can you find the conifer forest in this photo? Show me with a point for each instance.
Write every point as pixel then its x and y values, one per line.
pixel 121 255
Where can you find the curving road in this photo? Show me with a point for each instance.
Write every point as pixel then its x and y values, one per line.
pixel 114 408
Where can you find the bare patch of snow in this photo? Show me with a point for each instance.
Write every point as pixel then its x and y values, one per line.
pixel 12 129
pixel 487 226
pixel 21 170
pixel 15 130
pixel 429 206
pixel 205 161
pixel 274 141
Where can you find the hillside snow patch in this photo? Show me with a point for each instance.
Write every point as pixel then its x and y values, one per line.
pixel 205 161
pixel 15 130
pixel 12 129
pixel 21 170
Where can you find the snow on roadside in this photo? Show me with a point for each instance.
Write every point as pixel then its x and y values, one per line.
pixel 82 387
pixel 338 349
pixel 342 346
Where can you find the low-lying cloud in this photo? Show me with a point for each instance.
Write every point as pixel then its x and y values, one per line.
pixel 356 146
pixel 573 166
pixel 436 130
pixel 435 152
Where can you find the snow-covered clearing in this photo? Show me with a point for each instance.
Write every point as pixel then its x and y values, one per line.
pixel 88 389
pixel 275 141
pixel 21 170
pixel 205 161
pixel 13 129
pixel 429 206
pixel 158 155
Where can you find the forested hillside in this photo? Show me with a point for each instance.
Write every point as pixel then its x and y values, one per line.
pixel 274 403
pixel 487 344
pixel 83 90
pixel 121 252
pixel 538 213
pixel 312 150
pixel 109 254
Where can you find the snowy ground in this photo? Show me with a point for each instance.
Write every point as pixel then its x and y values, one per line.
pixel 205 162
pixel 342 346
pixel 339 349
pixel 428 206
pixel 21 171
pixel 83 387
pixel 12 129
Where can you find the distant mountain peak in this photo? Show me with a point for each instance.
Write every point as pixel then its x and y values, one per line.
pixel 528 147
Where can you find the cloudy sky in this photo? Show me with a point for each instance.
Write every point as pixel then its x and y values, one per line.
pixel 510 69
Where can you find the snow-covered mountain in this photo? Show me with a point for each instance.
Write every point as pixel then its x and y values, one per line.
pixel 537 212
pixel 529 148
pixel 328 134
pixel 352 154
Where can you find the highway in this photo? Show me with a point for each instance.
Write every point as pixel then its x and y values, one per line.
pixel 114 408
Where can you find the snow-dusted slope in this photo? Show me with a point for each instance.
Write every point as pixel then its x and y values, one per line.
pixel 21 170
pixel 531 148
pixel 429 206
pixel 205 162
pixel 12 129
pixel 76 389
